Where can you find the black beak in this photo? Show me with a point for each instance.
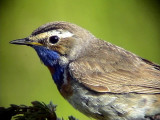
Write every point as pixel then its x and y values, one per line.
pixel 24 41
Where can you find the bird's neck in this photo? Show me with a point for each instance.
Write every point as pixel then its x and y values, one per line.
pixel 57 73
pixel 51 60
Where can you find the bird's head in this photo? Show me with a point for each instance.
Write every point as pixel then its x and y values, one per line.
pixel 57 42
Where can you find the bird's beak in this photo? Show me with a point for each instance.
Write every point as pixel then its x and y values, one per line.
pixel 25 41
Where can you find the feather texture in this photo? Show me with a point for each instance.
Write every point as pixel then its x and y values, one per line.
pixel 115 72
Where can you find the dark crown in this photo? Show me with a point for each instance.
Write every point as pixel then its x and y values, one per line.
pixel 55 25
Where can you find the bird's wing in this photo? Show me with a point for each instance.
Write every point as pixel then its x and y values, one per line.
pixel 116 72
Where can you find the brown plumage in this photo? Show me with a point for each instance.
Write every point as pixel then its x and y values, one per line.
pixel 109 68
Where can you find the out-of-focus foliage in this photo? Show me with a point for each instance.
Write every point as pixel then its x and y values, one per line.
pixel 131 24
pixel 38 111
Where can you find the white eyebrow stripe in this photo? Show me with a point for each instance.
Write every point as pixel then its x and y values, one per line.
pixel 60 33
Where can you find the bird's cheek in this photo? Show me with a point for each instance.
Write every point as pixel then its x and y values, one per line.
pixel 60 49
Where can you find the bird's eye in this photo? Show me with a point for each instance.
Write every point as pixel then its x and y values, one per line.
pixel 53 39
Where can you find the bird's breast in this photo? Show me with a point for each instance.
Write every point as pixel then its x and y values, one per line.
pixel 62 79
pixel 66 88
pixel 51 69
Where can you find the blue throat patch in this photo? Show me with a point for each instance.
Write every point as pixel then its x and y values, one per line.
pixel 50 58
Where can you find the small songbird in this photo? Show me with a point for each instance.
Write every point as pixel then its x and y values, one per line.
pixel 99 79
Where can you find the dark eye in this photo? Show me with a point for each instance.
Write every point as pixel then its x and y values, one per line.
pixel 53 39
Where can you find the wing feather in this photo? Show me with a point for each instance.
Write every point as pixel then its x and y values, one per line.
pixel 117 71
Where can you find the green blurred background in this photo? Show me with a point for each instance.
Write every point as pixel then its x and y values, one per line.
pixel 131 24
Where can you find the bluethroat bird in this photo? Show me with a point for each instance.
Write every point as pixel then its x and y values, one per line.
pixel 99 79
